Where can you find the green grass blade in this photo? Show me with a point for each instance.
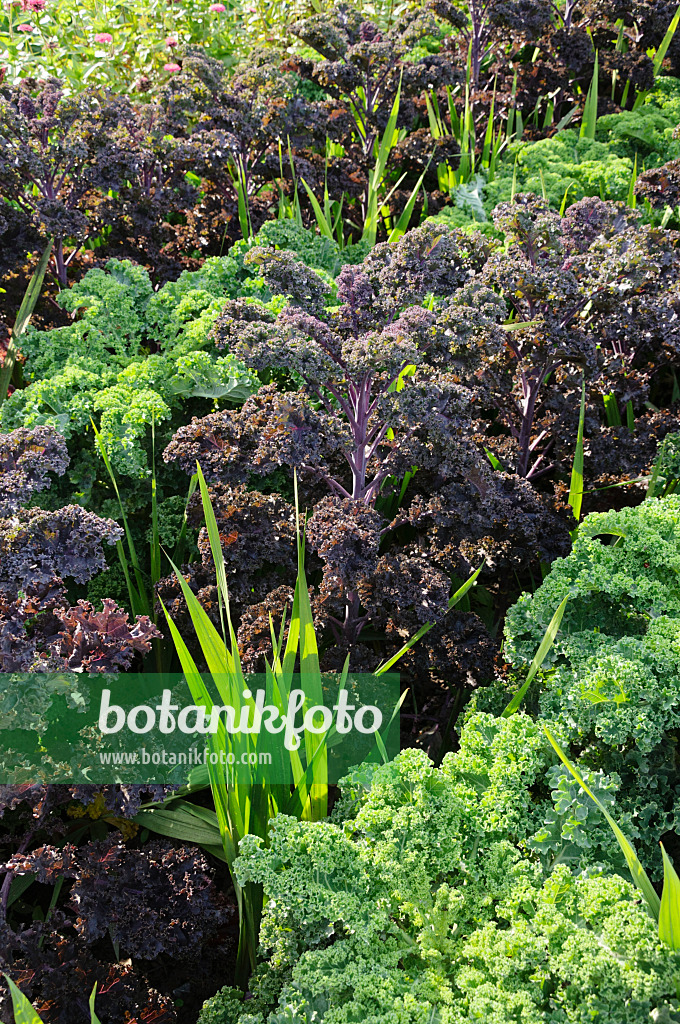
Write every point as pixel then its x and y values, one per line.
pixel 453 601
pixel 311 678
pixel 495 462
pixel 510 129
pixel 568 117
pixel 212 644
pixel 231 814
pixel 589 122
pixel 488 135
pixel 155 535
pixel 632 198
pixel 666 42
pixel 575 498
pixel 142 606
pixel 379 740
pixel 216 550
pixel 656 469
pixel 540 656
pixel 321 220
pixel 638 873
pixel 94 1019
pixel 28 304
pixel 386 145
pixel 181 537
pixel 611 411
pixel 201 696
pixel 669 911
pixel 435 131
pixel 401 226
pixel 453 114
pixel 564 199
pixel 630 416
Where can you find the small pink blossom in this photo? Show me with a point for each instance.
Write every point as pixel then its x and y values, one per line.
pixel 170 42
pixel 217 8
pixel 32 5
pixel 173 68
pixel 103 37
pixel 24 28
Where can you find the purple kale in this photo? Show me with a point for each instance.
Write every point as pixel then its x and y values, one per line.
pixel 37 545
pixel 157 899
pixel 26 457
pixel 90 641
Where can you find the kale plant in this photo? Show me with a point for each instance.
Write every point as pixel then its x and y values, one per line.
pixel 26 457
pixel 612 678
pixel 416 902
pixel 593 300
pixel 39 628
pixel 360 66
pixel 75 165
pixel 158 904
pixel 379 406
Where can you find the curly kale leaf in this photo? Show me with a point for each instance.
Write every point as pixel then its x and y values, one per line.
pixel 26 457
pixel 36 546
pixel 414 907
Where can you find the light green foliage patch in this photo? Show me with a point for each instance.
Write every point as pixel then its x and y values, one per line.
pixel 579 167
pixel 134 356
pixel 412 906
pixel 612 679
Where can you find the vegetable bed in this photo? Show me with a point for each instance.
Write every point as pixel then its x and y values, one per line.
pixel 339 355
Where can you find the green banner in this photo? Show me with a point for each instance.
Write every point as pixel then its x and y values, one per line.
pixel 149 729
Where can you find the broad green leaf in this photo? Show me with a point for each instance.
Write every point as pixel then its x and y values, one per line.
pixel 181 822
pixel 23 1011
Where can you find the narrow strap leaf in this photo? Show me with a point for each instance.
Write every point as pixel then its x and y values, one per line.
pixel 540 656
pixel 638 873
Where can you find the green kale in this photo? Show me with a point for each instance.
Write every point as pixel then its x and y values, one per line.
pixel 415 904
pixel 612 678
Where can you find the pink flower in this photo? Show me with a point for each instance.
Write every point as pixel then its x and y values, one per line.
pixel 24 28
pixel 32 5
pixel 103 37
pixel 217 8
pixel 170 42
pixel 173 68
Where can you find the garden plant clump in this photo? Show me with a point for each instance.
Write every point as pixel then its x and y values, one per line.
pixel 337 341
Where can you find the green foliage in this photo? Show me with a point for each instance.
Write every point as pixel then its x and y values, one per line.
pixel 412 905
pixel 100 366
pixel 601 166
pixel 64 39
pixel 613 674
pixel 585 166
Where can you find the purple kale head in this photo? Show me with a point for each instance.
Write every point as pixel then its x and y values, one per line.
pixel 105 641
pixel 37 545
pixel 26 458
